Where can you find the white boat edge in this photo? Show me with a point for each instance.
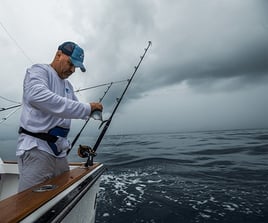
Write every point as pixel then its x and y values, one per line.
pixel 75 200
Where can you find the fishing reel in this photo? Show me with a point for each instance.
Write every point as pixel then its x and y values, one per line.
pixel 85 151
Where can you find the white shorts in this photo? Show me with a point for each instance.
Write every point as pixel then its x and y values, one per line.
pixel 36 166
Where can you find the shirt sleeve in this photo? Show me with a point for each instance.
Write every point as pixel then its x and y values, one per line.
pixel 38 95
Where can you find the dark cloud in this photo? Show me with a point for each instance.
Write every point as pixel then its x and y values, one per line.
pixel 198 43
pixel 231 46
pixel 250 62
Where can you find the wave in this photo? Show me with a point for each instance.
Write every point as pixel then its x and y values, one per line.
pixel 262 137
pixel 217 151
pixel 128 143
pixel 251 150
pixel 150 162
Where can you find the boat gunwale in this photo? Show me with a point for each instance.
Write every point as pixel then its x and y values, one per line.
pixel 62 208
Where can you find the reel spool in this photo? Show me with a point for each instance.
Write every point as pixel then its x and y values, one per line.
pixel 85 151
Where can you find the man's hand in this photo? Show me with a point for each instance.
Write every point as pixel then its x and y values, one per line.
pixel 96 106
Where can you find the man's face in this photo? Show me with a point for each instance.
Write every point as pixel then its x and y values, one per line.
pixel 65 66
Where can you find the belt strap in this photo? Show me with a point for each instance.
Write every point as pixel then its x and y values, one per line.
pixel 43 136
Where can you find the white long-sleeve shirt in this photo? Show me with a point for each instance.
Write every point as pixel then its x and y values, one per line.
pixel 48 101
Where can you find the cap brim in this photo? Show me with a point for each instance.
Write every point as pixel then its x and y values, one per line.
pixel 78 64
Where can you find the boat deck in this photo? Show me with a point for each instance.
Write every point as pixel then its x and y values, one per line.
pixel 20 205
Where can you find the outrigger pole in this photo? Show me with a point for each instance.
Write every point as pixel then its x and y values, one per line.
pixel 91 152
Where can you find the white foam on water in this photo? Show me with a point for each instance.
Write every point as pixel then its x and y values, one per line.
pixel 203 215
pixel 106 215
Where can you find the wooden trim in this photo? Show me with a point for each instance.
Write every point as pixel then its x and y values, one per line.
pixel 10 162
pixel 18 206
pixel 74 163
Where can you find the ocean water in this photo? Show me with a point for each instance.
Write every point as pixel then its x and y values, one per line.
pixel 191 177
pixel 213 176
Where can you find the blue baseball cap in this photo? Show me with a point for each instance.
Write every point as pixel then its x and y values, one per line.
pixel 75 53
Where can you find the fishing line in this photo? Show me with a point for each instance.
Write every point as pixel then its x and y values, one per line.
pixel 9 100
pixel 101 85
pixel 16 43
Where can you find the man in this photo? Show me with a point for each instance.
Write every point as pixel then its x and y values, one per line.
pixel 49 104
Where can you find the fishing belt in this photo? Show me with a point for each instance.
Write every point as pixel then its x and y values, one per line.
pixel 51 137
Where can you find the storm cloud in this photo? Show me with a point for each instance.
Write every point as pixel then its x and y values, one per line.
pixel 201 43
pixel 214 52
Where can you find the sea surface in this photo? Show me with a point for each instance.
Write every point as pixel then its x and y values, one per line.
pixel 209 176
pixel 212 176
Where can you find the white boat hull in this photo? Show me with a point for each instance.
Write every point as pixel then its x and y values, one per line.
pixel 70 197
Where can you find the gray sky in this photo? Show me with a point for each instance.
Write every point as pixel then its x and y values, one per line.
pixel 207 68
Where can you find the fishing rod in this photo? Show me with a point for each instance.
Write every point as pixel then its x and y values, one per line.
pixel 11 113
pixel 90 153
pixel 11 107
pixel 99 116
